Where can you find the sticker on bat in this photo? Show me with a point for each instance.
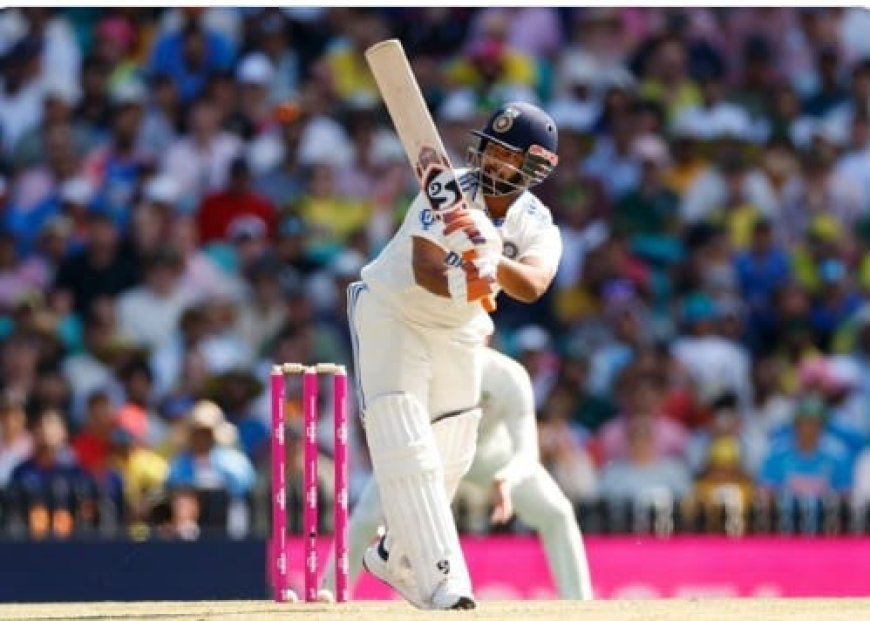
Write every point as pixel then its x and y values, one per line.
pixel 442 190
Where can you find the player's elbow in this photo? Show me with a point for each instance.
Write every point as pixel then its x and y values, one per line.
pixel 526 291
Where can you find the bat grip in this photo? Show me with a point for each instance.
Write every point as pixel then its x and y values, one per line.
pixel 487 302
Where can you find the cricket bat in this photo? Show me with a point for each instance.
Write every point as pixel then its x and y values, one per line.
pixel 417 131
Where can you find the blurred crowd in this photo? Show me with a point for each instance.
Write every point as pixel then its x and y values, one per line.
pixel 186 193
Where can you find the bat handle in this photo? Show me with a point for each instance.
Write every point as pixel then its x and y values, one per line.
pixel 487 302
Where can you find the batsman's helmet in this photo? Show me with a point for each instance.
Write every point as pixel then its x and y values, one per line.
pixel 522 128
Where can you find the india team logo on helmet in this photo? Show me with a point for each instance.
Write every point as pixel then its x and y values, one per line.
pixel 504 121
pixel 521 128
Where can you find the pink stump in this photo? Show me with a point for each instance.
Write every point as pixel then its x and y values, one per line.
pixel 341 491
pixel 277 553
pixel 309 473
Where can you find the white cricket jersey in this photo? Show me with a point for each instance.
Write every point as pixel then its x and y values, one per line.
pixel 526 230
pixel 507 437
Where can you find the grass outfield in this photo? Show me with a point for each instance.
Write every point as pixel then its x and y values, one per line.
pixel 623 610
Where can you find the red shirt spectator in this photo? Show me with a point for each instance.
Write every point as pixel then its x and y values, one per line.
pixel 91 444
pixel 237 201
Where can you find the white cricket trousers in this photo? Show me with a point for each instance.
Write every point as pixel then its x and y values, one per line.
pixel 437 367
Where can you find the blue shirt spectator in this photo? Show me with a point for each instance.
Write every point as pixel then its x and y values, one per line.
pixel 191 57
pixel 805 465
pixel 207 464
pixel 762 268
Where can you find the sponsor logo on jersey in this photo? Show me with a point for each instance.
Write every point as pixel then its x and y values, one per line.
pixel 510 250
pixel 427 219
pixel 453 259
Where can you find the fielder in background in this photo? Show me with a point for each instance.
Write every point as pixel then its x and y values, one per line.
pixel 419 329
pixel 506 463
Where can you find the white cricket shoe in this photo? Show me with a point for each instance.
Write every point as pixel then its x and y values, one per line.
pixel 325 596
pixel 375 561
pixel 448 597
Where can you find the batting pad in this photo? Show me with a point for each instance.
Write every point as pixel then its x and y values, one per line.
pixel 456 439
pixel 409 473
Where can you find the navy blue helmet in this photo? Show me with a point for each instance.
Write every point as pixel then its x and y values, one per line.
pixel 521 128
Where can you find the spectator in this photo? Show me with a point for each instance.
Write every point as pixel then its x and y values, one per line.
pixel 16 443
pixel 61 97
pixel 91 443
pixel 331 218
pixel 207 464
pixel 264 313
pixel 650 209
pixel 281 183
pixel 666 80
pixel 234 206
pixel 199 161
pixel 21 97
pixel 150 312
pixel 561 445
pixel 711 360
pixel 534 351
pixel 807 463
pixel 102 267
pixel 731 187
pixel 142 471
pixel 723 484
pixel 643 474
pixel 639 395
pixel 162 116
pixel 56 494
pixel 191 55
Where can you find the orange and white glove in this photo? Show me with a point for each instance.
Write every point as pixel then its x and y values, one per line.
pixel 467 230
pixel 471 281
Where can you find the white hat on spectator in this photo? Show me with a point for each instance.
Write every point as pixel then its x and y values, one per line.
pixel 729 121
pixel 162 189
pixel 129 92
pixel 255 68
pixel 77 190
pixel 580 70
pixel 323 141
pixel 246 228
pixel 65 91
pixel 687 125
pixel 651 148
pixel 206 414
pixel 531 338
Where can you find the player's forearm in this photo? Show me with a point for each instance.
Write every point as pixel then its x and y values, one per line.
pixel 432 277
pixel 522 281
pixel 430 271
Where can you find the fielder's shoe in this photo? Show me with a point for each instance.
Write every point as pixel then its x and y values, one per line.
pixel 448 597
pixel 375 561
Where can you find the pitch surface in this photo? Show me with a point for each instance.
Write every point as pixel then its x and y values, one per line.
pixel 623 610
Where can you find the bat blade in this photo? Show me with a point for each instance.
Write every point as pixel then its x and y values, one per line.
pixel 416 130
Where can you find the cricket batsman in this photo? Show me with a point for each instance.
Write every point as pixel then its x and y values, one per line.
pixel 418 329
pixel 506 463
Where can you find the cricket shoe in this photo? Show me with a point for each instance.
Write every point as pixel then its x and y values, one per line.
pixel 448 597
pixel 376 562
